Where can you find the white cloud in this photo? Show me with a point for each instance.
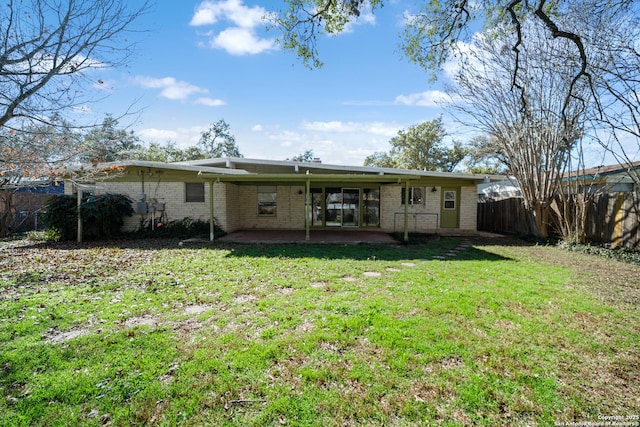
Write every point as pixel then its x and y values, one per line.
pixel 239 38
pixel 241 41
pixel 287 135
pixel 257 128
pixel 157 134
pixel 366 18
pixel 170 87
pixel 209 102
pixel 211 12
pixel 430 98
pixel 375 128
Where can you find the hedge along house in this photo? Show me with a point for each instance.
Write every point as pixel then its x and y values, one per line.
pixel 250 194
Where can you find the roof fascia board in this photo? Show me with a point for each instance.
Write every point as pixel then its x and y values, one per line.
pixel 238 163
pixel 305 177
pixel 329 178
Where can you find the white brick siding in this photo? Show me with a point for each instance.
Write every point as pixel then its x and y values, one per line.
pixel 422 217
pixel 289 208
pixel 469 208
pixel 235 206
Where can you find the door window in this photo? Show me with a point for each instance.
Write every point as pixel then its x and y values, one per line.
pixel 449 200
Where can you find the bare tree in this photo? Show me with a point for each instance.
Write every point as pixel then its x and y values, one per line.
pixel 532 127
pixel 600 36
pixel 47 49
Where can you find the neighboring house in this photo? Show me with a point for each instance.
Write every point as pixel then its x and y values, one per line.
pixel 24 203
pixel 605 179
pixel 499 190
pixel 246 194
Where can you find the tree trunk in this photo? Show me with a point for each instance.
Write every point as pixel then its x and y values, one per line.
pixel 539 220
pixel 6 198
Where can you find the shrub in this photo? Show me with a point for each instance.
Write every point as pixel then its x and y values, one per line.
pixel 180 229
pixel 102 216
pixel 620 254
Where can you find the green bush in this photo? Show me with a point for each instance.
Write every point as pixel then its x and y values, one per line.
pixel 620 254
pixel 180 229
pixel 102 216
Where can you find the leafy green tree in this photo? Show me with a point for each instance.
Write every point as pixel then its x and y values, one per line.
pixel 485 156
pixel 168 152
pixel 306 157
pixel 108 142
pixel 218 141
pixel 420 147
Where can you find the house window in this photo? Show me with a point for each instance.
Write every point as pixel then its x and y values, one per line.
pixel 194 192
pixel 450 200
pixel 267 198
pixel 416 195
pixel 371 207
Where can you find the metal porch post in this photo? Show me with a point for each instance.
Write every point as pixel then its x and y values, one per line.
pixel 211 218
pixel 406 211
pixel 308 210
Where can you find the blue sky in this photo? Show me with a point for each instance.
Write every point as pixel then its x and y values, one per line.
pixel 203 61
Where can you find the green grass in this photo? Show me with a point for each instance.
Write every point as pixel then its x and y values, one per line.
pixel 149 333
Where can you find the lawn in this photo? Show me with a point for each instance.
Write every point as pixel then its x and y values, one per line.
pixel 449 332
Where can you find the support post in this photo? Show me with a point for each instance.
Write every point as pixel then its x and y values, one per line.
pixel 79 216
pixel 212 227
pixel 308 210
pixel 406 211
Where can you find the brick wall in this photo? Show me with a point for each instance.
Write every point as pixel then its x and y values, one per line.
pixel 468 208
pixel 236 205
pixel 228 219
pixel 171 193
pixel 422 218
pixel 289 208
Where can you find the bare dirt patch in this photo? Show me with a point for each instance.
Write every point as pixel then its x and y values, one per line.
pixel 60 337
pixel 372 274
pixel 194 310
pixel 146 320
pixel 317 285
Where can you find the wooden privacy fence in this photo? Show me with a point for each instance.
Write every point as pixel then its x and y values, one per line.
pixel 506 216
pixel 611 218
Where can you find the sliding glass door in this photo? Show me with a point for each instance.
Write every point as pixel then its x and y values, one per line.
pixel 350 207
pixel 342 207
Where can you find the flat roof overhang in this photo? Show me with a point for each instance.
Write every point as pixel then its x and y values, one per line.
pixel 328 178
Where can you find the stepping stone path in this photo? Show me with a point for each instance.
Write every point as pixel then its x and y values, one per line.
pixel 463 246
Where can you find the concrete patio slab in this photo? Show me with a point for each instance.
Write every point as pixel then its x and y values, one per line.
pixel 316 236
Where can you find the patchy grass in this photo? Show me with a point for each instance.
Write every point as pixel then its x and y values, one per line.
pixel 450 332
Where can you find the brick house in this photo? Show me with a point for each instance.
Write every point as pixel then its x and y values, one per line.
pixel 245 194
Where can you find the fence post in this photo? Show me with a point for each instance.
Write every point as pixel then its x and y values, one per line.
pixel 619 220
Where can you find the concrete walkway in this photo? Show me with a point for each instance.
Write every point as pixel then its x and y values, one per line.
pixel 316 236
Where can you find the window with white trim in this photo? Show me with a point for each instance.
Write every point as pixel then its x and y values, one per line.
pixel 416 196
pixel 449 200
pixel 194 192
pixel 267 200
